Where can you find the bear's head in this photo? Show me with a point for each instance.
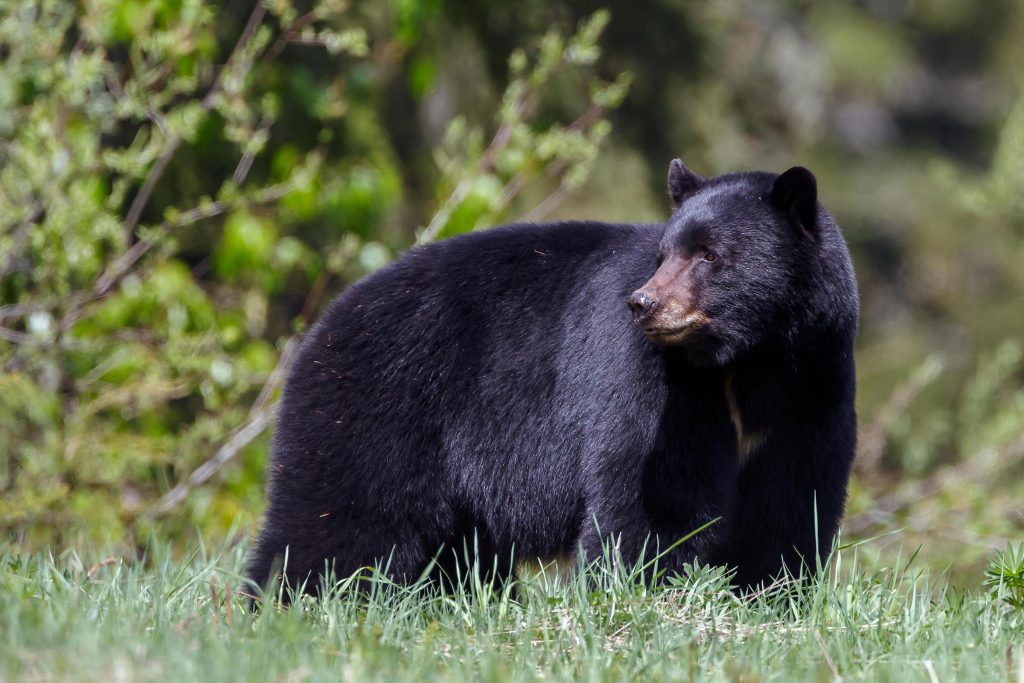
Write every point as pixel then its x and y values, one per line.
pixel 742 262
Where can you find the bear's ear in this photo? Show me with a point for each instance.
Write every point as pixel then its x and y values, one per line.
pixel 682 182
pixel 796 193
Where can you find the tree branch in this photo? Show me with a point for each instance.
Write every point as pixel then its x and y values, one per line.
pixel 174 140
pixel 120 268
pixel 260 416
pixel 501 138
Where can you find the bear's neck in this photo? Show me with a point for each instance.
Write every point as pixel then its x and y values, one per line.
pixel 776 392
pixel 748 436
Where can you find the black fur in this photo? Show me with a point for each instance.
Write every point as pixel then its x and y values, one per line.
pixel 494 386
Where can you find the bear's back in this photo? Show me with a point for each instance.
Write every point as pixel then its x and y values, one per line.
pixel 510 347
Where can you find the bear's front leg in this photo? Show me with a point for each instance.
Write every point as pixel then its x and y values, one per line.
pixel 792 484
pixel 791 497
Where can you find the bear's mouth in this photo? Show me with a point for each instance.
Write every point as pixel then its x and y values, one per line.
pixel 677 333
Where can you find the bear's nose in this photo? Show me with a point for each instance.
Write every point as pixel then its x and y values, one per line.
pixel 641 303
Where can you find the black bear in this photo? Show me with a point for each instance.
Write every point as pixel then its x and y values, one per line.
pixel 534 391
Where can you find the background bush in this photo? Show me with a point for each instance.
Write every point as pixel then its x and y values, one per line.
pixel 184 185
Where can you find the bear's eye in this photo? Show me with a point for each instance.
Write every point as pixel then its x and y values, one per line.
pixel 709 255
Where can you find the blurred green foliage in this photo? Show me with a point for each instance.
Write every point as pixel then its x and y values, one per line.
pixel 184 185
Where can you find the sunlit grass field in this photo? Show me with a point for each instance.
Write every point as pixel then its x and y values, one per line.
pixel 68 617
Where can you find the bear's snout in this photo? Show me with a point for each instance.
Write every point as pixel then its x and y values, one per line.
pixel 641 303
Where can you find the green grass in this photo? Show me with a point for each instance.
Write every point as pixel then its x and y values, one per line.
pixel 159 618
